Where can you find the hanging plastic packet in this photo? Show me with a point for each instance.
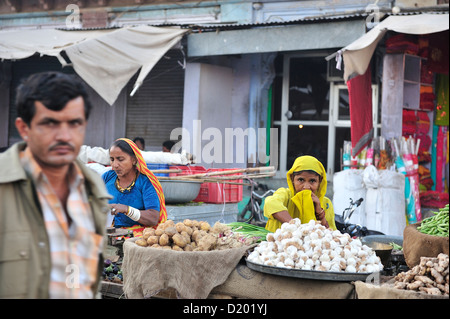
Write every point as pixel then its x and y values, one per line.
pixel 409 198
pixel 369 155
pixel 384 157
pixel 362 156
pixel 346 156
pixel 376 153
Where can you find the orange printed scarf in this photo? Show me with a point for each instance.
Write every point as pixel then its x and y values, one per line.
pixel 143 169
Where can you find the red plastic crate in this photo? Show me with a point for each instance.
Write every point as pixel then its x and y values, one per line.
pixel 218 193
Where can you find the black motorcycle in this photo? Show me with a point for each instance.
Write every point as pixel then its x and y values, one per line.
pixel 354 230
pixel 253 207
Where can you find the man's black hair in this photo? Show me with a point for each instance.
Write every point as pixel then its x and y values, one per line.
pixel 140 139
pixel 53 89
pixel 168 144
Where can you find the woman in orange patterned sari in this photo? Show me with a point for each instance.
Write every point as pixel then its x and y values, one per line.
pixel 138 199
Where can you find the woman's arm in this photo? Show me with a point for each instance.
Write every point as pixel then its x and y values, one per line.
pixel 282 216
pixel 319 211
pixel 149 217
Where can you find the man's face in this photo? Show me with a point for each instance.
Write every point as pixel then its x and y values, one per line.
pixel 55 137
pixel 139 145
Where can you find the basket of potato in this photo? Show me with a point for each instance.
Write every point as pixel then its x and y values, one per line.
pixel 192 235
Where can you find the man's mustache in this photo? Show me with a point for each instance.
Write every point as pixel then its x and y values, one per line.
pixel 64 144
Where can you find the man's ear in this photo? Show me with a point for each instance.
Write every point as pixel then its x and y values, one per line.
pixel 22 128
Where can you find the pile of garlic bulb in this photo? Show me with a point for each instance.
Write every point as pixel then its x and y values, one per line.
pixel 312 246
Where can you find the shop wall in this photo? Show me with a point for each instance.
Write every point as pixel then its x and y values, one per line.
pixel 215 104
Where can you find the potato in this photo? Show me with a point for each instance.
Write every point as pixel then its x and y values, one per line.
pixel 164 240
pixel 152 240
pixel 169 223
pixel 188 222
pixel 188 230
pixel 195 223
pixel 170 231
pixel 186 236
pixel 180 227
pixel 179 240
pixel 219 228
pixel 177 248
pixel 197 234
pixel 159 231
pixel 207 242
pixel 188 247
pixel 205 226
pixel 147 232
pixel 155 246
pixel 145 236
pixel 166 247
pixel 141 242
pixel 148 229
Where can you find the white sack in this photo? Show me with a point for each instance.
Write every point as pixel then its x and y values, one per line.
pixel 385 201
pixel 95 154
pixel 349 184
pixel 165 158
pixel 98 168
pixel 100 155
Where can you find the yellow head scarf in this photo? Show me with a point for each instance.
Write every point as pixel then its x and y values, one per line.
pixel 308 163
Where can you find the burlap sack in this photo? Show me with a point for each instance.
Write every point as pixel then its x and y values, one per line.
pixel 416 245
pixel 244 282
pixel 146 271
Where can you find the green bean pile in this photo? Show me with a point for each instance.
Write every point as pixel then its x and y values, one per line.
pixel 436 225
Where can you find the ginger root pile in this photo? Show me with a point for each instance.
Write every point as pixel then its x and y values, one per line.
pixel 192 235
pixel 430 276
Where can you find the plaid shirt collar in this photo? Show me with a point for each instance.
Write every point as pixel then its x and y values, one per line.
pixel 37 174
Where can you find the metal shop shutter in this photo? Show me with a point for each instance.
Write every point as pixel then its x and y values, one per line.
pixel 21 69
pixel 157 106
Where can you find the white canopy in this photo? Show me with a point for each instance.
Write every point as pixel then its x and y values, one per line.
pixel 357 54
pixel 105 59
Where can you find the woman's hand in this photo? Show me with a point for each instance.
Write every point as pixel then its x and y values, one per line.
pixel 319 211
pixel 316 202
pixel 118 208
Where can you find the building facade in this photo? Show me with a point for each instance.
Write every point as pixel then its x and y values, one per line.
pixel 248 85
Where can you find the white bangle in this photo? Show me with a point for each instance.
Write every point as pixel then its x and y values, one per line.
pixel 134 213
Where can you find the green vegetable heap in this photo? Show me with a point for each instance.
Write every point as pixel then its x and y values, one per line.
pixel 249 230
pixel 436 225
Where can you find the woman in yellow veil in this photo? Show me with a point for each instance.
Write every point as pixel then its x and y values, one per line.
pixel 303 199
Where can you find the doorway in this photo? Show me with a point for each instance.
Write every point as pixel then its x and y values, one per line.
pixel 311 112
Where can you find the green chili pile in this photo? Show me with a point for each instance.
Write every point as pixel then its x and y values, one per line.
pixel 436 225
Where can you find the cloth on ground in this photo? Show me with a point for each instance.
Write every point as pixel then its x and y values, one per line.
pixel 193 274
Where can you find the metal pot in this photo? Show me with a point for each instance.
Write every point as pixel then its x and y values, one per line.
pixel 382 250
pixel 176 192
